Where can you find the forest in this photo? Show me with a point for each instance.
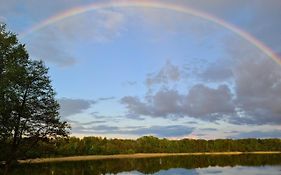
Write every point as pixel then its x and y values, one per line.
pixel 73 146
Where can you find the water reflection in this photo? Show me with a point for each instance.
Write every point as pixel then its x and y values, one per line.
pixel 243 164
pixel 263 170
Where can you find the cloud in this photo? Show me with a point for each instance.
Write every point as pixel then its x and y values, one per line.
pixel 169 73
pixel 231 132
pixel 217 72
pixel 86 123
pixel 70 107
pixel 192 122
pixel 208 129
pixel 105 98
pixel 159 131
pixel 255 97
pixel 97 26
pixel 252 97
pixel 50 50
pixel 201 102
pixel 258 90
pixel 2 20
pixel 6 6
pixel 129 83
pixel 99 129
pixel 57 43
pixel 268 11
pixel 258 134
pixel 163 131
pixel 163 104
pixel 257 85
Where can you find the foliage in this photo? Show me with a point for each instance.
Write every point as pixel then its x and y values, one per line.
pixel 28 109
pixel 148 144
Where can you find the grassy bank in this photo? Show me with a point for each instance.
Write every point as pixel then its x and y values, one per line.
pixel 141 155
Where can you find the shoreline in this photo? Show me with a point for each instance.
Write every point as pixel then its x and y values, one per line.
pixel 134 156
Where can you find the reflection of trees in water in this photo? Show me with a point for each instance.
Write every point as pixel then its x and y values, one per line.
pixel 146 165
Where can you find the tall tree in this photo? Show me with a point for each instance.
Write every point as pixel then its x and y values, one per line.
pixel 28 109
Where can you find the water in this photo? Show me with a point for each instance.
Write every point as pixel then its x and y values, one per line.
pixel 177 165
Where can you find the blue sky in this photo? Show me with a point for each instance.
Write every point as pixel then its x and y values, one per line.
pixel 129 72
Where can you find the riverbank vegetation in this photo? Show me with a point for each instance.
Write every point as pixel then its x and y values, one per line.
pixel 74 146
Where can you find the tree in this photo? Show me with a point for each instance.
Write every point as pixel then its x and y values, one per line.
pixel 28 109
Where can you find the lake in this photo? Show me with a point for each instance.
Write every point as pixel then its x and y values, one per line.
pixel 175 165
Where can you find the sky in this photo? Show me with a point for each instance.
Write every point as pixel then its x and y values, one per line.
pixel 125 71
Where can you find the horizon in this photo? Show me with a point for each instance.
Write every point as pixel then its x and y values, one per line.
pixel 170 138
pixel 169 69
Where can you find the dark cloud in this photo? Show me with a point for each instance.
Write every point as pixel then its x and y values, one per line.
pixel 258 90
pixel 135 106
pixel 257 85
pixel 169 73
pixel 209 103
pixel 217 72
pixel 70 107
pixel 164 103
pixel 258 134
pixel 201 102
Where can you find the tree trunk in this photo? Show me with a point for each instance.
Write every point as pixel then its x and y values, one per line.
pixel 7 167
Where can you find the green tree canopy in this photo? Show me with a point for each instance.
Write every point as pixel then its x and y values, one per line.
pixel 28 109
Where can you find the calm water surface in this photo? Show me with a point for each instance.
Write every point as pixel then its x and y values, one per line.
pixel 177 165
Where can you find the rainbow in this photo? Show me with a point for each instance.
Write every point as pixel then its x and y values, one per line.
pixel 156 4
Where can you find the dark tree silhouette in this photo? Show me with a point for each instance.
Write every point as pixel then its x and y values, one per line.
pixel 28 109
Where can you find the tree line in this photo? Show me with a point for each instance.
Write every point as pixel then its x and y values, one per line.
pixel 73 146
